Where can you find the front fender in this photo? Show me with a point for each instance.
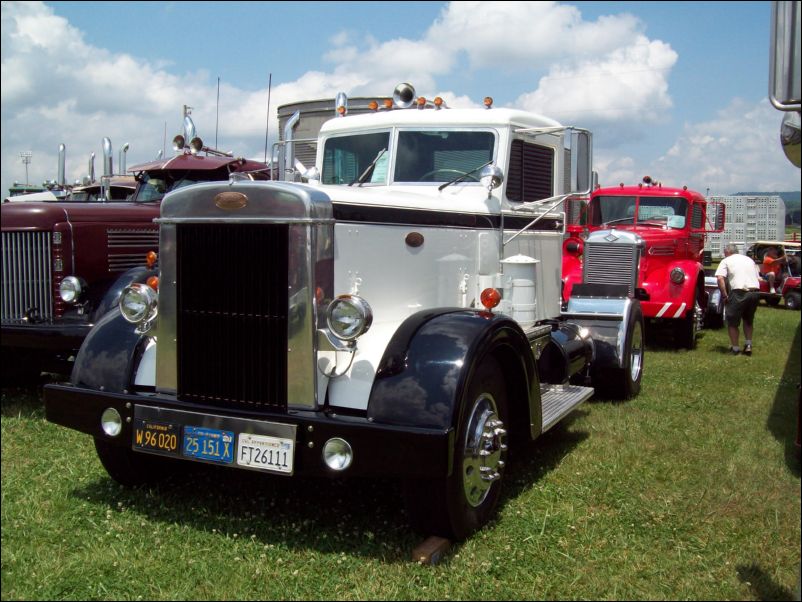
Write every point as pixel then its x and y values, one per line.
pixel 107 356
pixel 657 284
pixel 422 376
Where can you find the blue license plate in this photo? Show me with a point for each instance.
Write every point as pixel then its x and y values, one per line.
pixel 213 445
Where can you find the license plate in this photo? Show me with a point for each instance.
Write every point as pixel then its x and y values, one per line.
pixel 157 437
pixel 265 453
pixel 214 445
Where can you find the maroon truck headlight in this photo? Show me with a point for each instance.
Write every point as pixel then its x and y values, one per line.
pixel 70 289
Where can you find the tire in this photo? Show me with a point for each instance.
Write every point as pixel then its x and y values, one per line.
pixel 130 468
pixel 793 300
pixel 624 383
pixel 455 506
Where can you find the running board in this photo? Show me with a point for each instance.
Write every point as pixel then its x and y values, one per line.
pixel 559 400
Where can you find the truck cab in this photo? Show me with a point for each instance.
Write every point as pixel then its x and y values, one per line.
pixel 661 231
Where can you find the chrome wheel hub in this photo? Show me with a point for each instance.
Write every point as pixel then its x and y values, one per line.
pixel 636 351
pixel 485 446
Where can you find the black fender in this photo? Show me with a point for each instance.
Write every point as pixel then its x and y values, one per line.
pixel 112 294
pixel 108 355
pixel 422 376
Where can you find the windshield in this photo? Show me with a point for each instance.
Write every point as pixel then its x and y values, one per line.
pixel 441 156
pixel 346 158
pixel 154 185
pixel 431 156
pixel 653 210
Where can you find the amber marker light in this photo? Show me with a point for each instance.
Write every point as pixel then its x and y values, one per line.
pixel 488 102
pixel 151 258
pixel 421 102
pixel 341 111
pixel 388 103
pixel 438 102
pixel 490 298
pixel 373 105
pixel 153 282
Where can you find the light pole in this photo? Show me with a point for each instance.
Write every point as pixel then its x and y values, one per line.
pixel 26 159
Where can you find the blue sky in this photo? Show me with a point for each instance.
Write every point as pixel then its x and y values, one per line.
pixel 676 90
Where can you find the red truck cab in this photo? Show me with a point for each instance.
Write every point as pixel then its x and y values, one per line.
pixel 664 229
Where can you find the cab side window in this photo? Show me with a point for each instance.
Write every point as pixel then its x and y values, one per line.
pixel 529 176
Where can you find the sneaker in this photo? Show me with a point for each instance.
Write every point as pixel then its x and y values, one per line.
pixel 773 291
pixel 748 349
pixel 734 351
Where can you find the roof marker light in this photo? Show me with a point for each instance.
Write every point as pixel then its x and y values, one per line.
pixel 421 102
pixel 151 258
pixel 438 102
pixel 488 102
pixel 373 105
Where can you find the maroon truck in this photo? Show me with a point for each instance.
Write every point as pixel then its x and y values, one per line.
pixel 64 264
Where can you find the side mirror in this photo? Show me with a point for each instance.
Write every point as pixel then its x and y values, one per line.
pixel 581 161
pixel 784 69
pixel 790 137
pixel 491 176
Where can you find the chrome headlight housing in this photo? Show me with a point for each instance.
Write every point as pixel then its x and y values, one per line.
pixel 349 317
pixel 138 303
pixel 677 276
pixel 70 289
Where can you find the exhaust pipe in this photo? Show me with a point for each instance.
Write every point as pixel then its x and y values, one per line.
pixel 108 167
pixel 121 162
pixel 62 165
pixel 287 162
pixel 91 168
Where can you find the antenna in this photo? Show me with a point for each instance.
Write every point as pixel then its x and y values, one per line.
pixel 217 117
pixel 267 124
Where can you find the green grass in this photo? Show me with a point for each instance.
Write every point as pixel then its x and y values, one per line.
pixel 690 491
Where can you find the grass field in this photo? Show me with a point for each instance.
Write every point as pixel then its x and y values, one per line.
pixel 690 491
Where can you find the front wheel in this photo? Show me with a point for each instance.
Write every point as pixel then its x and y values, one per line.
pixel 792 300
pixel 457 505
pixel 624 382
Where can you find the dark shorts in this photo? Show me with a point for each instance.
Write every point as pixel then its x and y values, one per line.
pixel 742 305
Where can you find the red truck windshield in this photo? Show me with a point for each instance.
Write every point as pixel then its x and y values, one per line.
pixel 154 185
pixel 667 211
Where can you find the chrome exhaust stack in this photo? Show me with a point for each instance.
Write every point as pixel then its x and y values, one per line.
pixel 62 165
pixel 121 162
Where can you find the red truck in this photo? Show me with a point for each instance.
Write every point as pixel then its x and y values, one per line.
pixel 64 263
pixel 653 240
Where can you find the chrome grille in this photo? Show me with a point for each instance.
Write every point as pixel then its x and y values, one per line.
pixel 232 315
pixel 611 264
pixel 127 247
pixel 27 277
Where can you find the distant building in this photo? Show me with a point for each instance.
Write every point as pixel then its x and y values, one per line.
pixel 749 218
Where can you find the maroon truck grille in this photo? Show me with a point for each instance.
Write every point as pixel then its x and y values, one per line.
pixel 232 315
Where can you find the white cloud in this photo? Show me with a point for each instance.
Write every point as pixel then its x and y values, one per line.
pixel 738 151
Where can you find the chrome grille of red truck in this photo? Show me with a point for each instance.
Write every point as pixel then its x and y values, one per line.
pixel 244 312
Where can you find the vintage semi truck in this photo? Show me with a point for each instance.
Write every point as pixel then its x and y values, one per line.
pixel 651 238
pixel 62 261
pixel 397 315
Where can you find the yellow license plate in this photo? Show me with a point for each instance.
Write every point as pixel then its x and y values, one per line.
pixel 159 437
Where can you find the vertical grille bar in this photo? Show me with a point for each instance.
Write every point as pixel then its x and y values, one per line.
pixel 232 311
pixel 27 283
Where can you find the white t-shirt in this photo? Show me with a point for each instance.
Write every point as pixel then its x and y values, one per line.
pixel 741 272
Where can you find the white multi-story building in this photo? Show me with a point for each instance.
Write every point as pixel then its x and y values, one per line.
pixel 749 218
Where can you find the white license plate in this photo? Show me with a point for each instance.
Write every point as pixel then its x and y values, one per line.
pixel 273 454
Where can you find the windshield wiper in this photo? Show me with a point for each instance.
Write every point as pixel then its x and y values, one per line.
pixel 465 175
pixel 369 169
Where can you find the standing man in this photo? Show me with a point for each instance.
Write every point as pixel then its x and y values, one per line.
pixel 742 275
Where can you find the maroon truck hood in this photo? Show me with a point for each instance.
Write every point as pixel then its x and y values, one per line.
pixel 42 216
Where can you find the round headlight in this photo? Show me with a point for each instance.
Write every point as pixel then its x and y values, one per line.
pixel 348 317
pixel 138 303
pixel 337 454
pixel 70 289
pixel 677 276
